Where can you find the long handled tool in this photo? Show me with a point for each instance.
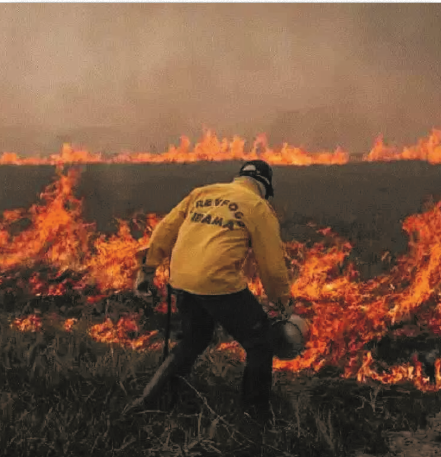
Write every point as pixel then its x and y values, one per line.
pixel 156 383
pixel 167 322
pixel 167 367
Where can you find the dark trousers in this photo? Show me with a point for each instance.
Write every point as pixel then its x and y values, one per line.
pixel 242 316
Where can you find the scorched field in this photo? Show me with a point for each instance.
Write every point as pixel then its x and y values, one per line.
pixel 363 245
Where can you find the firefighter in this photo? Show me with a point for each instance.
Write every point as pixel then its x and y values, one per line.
pixel 207 238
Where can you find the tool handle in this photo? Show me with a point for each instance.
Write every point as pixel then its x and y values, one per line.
pixel 167 323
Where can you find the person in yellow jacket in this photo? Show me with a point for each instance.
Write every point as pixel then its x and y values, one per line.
pixel 207 238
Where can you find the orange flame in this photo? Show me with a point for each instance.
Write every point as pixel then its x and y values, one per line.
pixel 210 148
pixel 427 149
pixel 69 323
pixel 345 313
pixel 108 332
pixel 31 323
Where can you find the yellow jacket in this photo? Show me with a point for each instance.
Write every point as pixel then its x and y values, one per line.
pixel 208 236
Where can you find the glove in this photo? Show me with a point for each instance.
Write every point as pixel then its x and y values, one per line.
pixel 286 308
pixel 144 280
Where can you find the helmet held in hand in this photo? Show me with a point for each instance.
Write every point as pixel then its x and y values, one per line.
pixel 288 337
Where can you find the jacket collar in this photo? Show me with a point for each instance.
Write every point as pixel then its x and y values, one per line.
pixel 249 183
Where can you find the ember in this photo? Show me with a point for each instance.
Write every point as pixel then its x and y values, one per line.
pixel 30 323
pixel 69 324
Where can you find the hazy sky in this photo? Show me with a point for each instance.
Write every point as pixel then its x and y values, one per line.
pixel 136 75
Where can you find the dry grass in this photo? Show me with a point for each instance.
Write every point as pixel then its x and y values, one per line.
pixel 63 394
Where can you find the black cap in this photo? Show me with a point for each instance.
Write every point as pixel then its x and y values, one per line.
pixel 260 171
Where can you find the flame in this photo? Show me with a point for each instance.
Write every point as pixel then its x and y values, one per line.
pixel 69 323
pixel 58 237
pixel 427 149
pixel 54 229
pixel 396 374
pixel 31 323
pixel 61 252
pixel 210 148
pixel 109 332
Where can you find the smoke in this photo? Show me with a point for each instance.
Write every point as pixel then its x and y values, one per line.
pixel 137 76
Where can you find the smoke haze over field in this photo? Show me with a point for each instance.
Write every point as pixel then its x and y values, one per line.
pixel 137 76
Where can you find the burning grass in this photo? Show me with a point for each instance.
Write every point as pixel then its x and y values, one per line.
pixel 77 345
pixel 56 253
pixel 211 148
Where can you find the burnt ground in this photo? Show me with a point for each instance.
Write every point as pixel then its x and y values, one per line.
pixel 364 202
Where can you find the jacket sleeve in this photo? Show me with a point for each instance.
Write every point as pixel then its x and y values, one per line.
pixel 165 234
pixel 268 251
